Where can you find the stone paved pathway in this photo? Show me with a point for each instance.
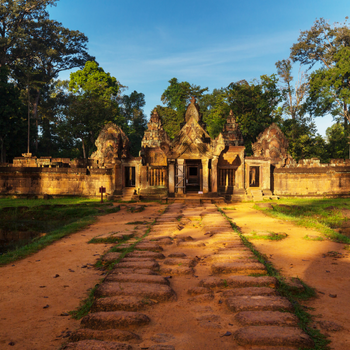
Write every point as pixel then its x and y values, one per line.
pixel 191 284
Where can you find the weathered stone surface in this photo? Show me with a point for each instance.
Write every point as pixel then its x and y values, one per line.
pixel 177 255
pixel 266 318
pixel 161 347
pixel 153 291
pixel 176 270
pixel 191 244
pixel 273 335
pixel 153 265
pixel 258 303
pixel 111 257
pixel 180 262
pixel 198 291
pixel 114 319
pixel 135 259
pixel 97 345
pixel 121 303
pixel 239 282
pixel 106 335
pixel 226 257
pixel 209 321
pixel 145 254
pixel 238 268
pixel 124 271
pixel 249 291
pixel 149 246
pixel 201 298
pixel 137 278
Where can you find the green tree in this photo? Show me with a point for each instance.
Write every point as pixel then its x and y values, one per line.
pixel 337 141
pixel 215 111
pixel 255 106
pixel 132 111
pixel 171 120
pixel 328 47
pixel 92 104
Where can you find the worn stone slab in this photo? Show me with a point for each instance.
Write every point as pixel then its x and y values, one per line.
pixel 249 291
pixel 165 241
pixel 198 291
pixel 180 262
pixel 111 257
pixel 191 244
pixel 128 259
pixel 153 291
pixel 137 278
pixel 125 271
pixel 114 319
pixel 149 246
pixel 176 270
pixel 239 282
pixel 238 268
pixel 227 257
pixel 106 335
pixel 121 303
pixel 97 345
pixel 152 265
pixel 161 347
pixel 258 303
pixel 266 318
pixel 273 335
pixel 145 254
pixel 177 255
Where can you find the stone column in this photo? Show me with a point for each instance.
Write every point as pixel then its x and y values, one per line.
pixel 171 179
pixel 214 175
pixel 118 177
pixel 205 172
pixel 144 182
pixel 180 173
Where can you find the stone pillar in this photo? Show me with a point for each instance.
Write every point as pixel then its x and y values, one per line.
pixel 144 182
pixel 118 187
pixel 180 175
pixel 171 179
pixel 205 173
pixel 214 175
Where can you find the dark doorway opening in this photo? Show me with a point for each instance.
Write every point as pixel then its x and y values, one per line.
pixel 130 176
pixel 193 176
pixel 254 176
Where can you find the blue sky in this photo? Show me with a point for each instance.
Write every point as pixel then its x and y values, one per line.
pixel 208 43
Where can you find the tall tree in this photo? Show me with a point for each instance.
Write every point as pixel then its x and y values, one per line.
pixel 255 106
pixel 93 103
pixel 132 110
pixel 327 46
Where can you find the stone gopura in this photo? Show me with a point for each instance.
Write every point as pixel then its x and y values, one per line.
pixel 192 164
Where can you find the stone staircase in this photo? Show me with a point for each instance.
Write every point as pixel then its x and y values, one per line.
pixel 128 194
pixel 191 284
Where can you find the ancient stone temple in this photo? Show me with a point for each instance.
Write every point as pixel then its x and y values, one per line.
pixel 191 165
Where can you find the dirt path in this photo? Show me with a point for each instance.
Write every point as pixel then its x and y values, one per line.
pixel 29 285
pixel 310 261
pixel 187 289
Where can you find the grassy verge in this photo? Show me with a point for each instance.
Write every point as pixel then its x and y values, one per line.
pixel 289 292
pixel 324 215
pixel 26 229
pixel 85 306
pixel 269 236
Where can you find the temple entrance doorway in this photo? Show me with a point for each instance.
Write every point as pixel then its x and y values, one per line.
pixel 193 175
pixel 130 176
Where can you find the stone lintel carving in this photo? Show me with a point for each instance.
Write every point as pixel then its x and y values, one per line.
pixel 112 144
pixel 272 144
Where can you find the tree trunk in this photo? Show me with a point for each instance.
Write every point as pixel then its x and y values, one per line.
pixel 35 116
pixel 2 150
pixel 84 152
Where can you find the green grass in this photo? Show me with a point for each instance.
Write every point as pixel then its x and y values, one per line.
pixel 323 215
pixel 270 236
pixel 289 292
pixel 29 226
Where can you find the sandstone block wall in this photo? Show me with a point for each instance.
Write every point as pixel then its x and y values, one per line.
pixel 55 181
pixel 310 178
